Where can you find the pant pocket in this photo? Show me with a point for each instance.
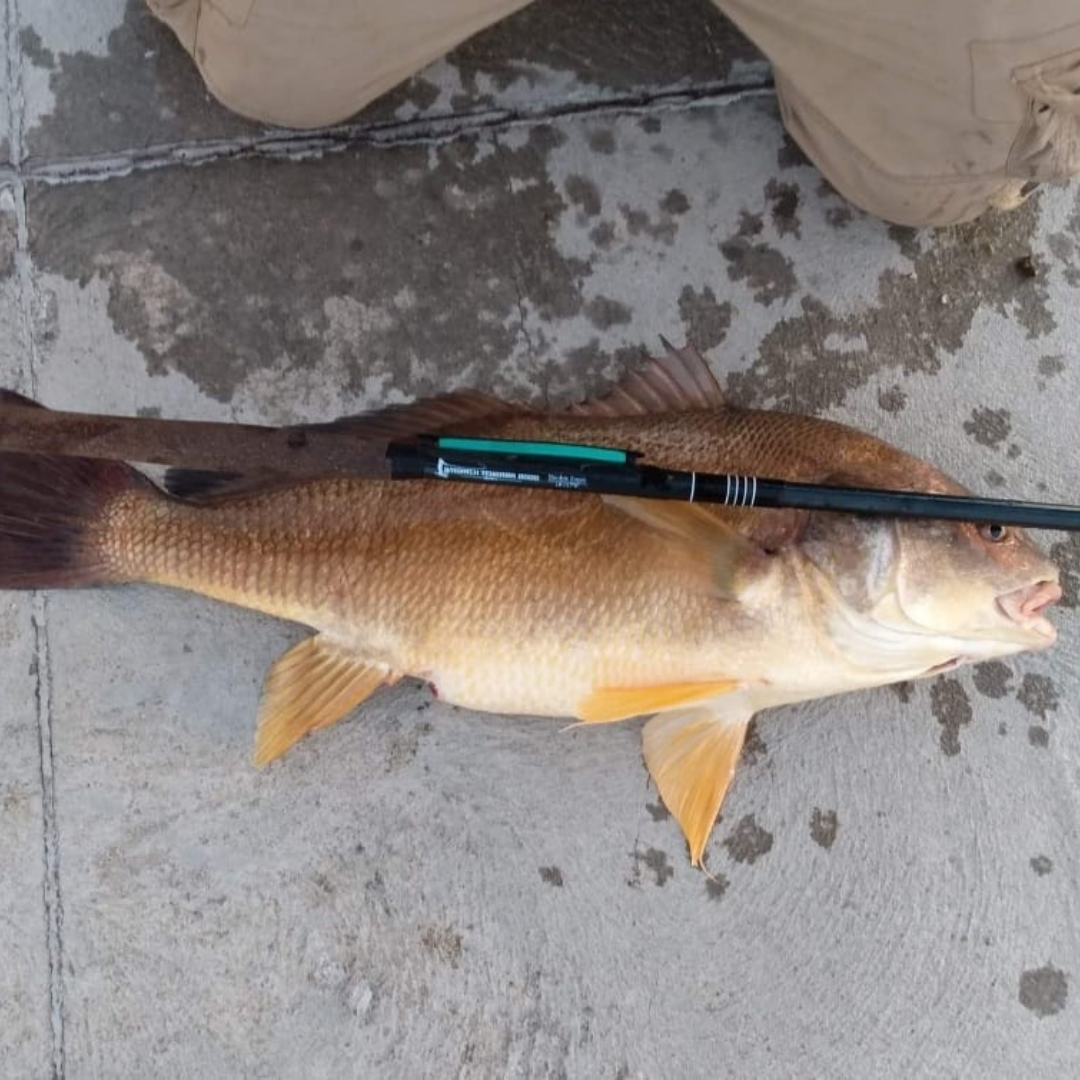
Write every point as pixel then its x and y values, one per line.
pixel 1034 83
pixel 1048 145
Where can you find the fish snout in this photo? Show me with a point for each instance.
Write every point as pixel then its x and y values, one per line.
pixel 1025 607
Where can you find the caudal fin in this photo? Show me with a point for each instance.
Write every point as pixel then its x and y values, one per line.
pixel 51 517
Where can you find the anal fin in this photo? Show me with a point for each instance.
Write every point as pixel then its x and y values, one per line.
pixel 313 685
pixel 691 756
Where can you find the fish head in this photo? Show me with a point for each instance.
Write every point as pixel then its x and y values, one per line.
pixel 984 583
pixel 912 597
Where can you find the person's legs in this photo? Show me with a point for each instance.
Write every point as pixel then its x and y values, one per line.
pixel 926 112
pixel 307 63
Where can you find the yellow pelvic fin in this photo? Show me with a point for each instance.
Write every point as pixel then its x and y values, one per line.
pixel 314 684
pixel 696 540
pixel 691 756
pixel 608 703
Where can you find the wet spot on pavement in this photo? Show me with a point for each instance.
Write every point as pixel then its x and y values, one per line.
pixel 748 841
pixel 952 710
pixel 1044 990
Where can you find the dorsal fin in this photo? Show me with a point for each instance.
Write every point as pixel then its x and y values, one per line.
pixel 675 382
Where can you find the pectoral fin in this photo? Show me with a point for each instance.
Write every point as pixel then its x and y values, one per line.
pixel 691 756
pixel 314 684
pixel 609 703
pixel 695 540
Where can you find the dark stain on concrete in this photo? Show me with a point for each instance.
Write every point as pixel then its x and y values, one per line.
pixel 9 243
pixel 790 155
pixel 750 225
pixel 1066 553
pixel 234 268
pixel 706 321
pixel 582 192
pixel 748 841
pixel 989 427
pixel 656 861
pixel 551 875
pixel 893 400
pixel 603 235
pixel 1038 694
pixel 604 313
pixel 639 222
pixel 784 200
pixel 769 273
pixel 675 203
pixel 1042 865
pixel 146 90
pixel 839 217
pixel 952 710
pixel 824 825
pixel 33 49
pixel 903 691
pixel 442 942
pixel 601 140
pixel 651 124
pixel 658 811
pixel 908 329
pixel 1049 366
pixel 588 363
pixel 754 746
pixel 1038 736
pixel 715 886
pixel 1044 990
pixel 992 678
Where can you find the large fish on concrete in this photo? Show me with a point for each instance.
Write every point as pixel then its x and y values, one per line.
pixel 554 603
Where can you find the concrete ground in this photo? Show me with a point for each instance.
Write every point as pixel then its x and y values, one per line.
pixel 422 891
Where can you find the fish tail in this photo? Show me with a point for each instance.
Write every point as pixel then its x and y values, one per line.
pixel 54 517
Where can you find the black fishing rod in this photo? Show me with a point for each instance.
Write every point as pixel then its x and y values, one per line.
pixel 308 452
pixel 607 471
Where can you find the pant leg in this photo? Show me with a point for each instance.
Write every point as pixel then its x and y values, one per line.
pixel 307 63
pixel 926 112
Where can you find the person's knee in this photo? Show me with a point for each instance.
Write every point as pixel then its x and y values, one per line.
pixel 962 107
pixel 288 64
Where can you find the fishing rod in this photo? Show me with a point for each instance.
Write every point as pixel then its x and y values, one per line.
pixel 608 471
pixel 306 452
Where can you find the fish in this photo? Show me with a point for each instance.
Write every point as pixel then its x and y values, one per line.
pixel 594 609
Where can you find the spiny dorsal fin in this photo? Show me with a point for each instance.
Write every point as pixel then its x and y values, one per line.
pixel 691 756
pixel 609 703
pixel 313 685
pixel 675 382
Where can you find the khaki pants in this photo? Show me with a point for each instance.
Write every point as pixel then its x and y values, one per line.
pixel 924 112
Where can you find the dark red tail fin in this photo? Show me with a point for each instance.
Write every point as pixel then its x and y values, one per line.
pixel 50 516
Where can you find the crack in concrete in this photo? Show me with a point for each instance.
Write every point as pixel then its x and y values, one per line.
pixel 425 131
pixel 54 907
pixel 50 839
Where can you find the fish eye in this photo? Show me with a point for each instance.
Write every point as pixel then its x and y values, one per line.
pixel 994 532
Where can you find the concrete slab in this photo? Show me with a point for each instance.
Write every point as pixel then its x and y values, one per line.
pixel 424 890
pixel 112 79
pixel 28 851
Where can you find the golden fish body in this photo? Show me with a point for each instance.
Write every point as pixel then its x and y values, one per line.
pixel 561 604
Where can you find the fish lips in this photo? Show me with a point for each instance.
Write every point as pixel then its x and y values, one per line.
pixel 1025 606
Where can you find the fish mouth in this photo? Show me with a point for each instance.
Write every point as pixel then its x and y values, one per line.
pixel 1025 606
